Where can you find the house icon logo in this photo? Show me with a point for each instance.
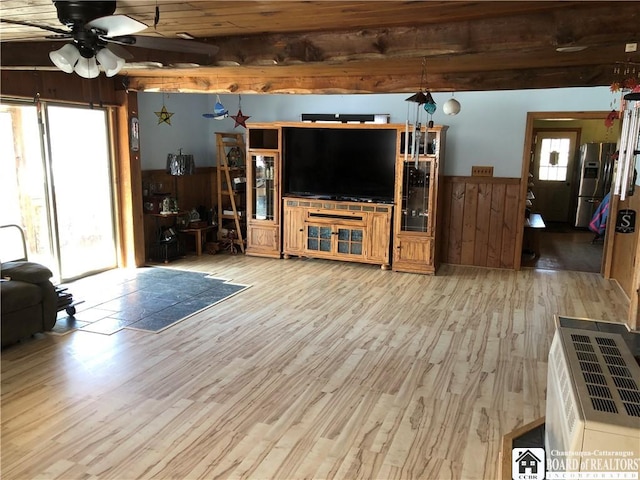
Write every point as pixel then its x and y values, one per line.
pixel 527 464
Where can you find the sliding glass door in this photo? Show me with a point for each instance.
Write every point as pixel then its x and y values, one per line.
pixel 81 174
pixel 57 184
pixel 23 184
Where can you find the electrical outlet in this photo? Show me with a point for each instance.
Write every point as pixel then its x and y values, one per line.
pixel 479 171
pixel 630 47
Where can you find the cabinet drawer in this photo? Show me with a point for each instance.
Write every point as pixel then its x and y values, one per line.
pixel 336 217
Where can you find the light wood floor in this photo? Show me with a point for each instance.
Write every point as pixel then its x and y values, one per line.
pixel 320 370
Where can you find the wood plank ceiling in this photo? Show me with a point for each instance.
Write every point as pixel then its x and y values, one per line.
pixel 358 47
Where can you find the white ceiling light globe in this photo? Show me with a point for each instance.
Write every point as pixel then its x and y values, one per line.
pixel 110 62
pixel 65 58
pixel 451 107
pixel 107 58
pixel 113 71
pixel 87 67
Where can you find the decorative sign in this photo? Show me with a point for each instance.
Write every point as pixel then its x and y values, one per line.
pixel 626 221
pixel 135 134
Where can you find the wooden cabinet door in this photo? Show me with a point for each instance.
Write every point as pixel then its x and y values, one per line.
pixel 328 240
pixel 413 254
pixel 319 239
pixel 293 229
pixel 378 238
pixel 263 240
pixel 349 241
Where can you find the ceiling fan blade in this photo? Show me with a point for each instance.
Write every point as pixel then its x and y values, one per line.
pixel 117 25
pixel 62 36
pixel 126 40
pixel 175 45
pixel 43 27
pixel 120 51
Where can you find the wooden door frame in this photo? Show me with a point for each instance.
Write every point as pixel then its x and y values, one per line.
pixel 532 117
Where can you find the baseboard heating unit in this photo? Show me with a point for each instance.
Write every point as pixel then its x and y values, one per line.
pixel 593 406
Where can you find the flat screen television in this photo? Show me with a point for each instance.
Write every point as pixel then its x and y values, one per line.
pixel 339 163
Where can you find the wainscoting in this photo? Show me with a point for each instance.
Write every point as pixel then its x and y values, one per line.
pixel 192 191
pixel 479 222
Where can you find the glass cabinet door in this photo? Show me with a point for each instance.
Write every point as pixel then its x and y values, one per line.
pixel 319 238
pixel 350 241
pixel 264 194
pixel 416 178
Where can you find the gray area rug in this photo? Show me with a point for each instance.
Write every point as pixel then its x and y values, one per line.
pixel 148 298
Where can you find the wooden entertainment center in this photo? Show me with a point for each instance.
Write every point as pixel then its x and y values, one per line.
pixel 351 231
pixel 401 234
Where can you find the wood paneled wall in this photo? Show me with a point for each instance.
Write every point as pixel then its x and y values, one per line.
pixel 623 260
pixel 480 221
pixel 60 86
pixel 192 191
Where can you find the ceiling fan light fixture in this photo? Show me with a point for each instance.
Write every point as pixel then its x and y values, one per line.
pixel 114 71
pixel 87 67
pixel 107 58
pixel 65 58
pixel 111 63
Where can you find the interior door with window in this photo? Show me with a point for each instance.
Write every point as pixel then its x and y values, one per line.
pixel 553 171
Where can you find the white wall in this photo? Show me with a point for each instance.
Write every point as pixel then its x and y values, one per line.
pixel 489 130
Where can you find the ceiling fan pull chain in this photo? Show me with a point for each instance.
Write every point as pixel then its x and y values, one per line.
pixel 156 19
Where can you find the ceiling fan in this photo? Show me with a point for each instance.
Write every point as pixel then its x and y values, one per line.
pixel 98 37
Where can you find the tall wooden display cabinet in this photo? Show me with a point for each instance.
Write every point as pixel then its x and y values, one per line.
pixel 419 171
pixel 263 190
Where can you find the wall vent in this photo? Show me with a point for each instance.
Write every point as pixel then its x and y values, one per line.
pixel 606 370
pixel 593 400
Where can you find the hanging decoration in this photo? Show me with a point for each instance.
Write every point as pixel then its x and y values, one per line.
pixel 164 116
pixel 626 77
pixel 156 18
pixel 624 180
pixel 219 111
pixel 634 94
pixel 611 118
pixel 451 106
pixel 239 117
pixel 429 106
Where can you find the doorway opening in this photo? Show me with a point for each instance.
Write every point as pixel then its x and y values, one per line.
pixel 553 169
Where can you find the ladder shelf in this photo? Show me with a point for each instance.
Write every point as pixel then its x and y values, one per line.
pixel 231 182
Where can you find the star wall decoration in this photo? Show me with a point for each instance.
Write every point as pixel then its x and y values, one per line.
pixel 164 116
pixel 240 119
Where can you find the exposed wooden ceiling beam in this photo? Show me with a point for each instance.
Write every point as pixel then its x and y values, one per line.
pixel 253 80
pixel 510 51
